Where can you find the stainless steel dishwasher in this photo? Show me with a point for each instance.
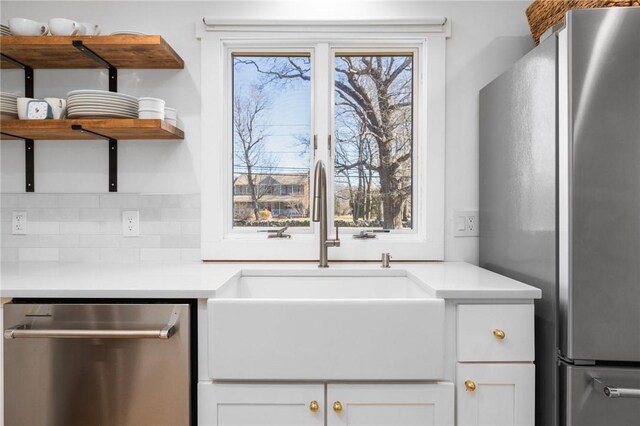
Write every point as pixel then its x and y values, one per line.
pixel 101 364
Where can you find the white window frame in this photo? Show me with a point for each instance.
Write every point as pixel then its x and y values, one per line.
pixel 425 37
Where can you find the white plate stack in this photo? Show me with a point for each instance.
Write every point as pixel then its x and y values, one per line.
pixel 101 104
pixel 4 30
pixel 8 105
pixel 151 108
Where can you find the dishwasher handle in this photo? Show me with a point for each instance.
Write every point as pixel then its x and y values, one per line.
pixel 22 332
pixel 615 392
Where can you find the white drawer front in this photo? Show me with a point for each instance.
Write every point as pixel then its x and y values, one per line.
pixel 481 326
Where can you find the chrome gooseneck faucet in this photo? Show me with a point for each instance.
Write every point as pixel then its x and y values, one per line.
pixel 319 213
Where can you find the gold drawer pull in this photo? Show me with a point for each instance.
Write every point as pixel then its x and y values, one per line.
pixel 470 385
pixel 337 407
pixel 314 406
pixel 499 334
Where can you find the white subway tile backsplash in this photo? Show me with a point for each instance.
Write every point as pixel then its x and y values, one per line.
pixel 156 201
pixel 5 214
pixel 159 254
pixel 190 228
pixel 88 227
pixel 26 201
pixel 160 228
pixel 19 240
pixel 120 201
pixel 190 201
pixel 105 241
pixel 9 200
pixel 79 227
pixel 79 201
pixel 100 215
pixel 110 228
pixel 5 228
pixel 59 240
pixel 79 254
pixel 189 241
pixel 180 214
pixel 190 254
pixel 9 254
pixel 143 241
pixel 129 255
pixel 43 228
pixel 38 254
pixel 53 215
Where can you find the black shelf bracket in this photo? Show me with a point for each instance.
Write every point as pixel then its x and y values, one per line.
pixel 28 143
pixel 113 155
pixel 113 87
pixel 113 71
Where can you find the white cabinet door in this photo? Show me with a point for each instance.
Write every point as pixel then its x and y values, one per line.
pixel 390 404
pixel 495 394
pixel 235 404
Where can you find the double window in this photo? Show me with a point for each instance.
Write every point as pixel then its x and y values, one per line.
pixel 360 104
pixel 274 145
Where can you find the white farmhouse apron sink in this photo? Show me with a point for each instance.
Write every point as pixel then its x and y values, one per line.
pixel 325 325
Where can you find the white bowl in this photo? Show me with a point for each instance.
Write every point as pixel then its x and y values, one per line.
pixel 63 27
pixel 170 113
pixel 151 104
pixel 171 121
pixel 27 27
pixel 151 114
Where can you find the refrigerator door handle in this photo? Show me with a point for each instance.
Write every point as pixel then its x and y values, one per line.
pixel 613 391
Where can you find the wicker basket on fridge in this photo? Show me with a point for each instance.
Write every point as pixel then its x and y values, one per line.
pixel 543 14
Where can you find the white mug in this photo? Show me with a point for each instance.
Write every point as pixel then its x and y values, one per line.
pixel 63 27
pixel 27 27
pixel 58 107
pixel 87 28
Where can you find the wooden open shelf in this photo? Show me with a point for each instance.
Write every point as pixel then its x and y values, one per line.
pixel 114 128
pixel 121 51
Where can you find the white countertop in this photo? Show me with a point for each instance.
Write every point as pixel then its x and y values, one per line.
pixel 448 280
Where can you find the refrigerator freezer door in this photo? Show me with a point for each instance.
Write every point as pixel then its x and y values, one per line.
pixel 585 403
pixel 602 309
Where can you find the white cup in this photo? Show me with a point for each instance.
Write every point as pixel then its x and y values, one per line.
pixel 170 113
pixel 22 107
pixel 63 27
pixel 87 28
pixel 58 107
pixel 27 27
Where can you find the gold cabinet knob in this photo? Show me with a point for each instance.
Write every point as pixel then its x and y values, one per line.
pixel 337 407
pixel 470 385
pixel 499 334
pixel 314 406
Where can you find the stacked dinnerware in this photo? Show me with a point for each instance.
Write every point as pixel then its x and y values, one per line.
pixel 171 116
pixel 4 30
pixel 151 108
pixel 101 104
pixel 8 105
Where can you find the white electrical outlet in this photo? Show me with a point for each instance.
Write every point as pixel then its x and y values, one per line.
pixel 19 223
pixel 131 224
pixel 465 224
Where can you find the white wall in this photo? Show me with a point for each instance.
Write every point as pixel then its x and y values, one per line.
pixel 487 37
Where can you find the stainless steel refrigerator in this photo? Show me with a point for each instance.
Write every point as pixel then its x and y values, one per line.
pixel 560 210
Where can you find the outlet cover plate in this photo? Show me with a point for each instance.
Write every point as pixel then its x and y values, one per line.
pixel 465 223
pixel 19 223
pixel 131 224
